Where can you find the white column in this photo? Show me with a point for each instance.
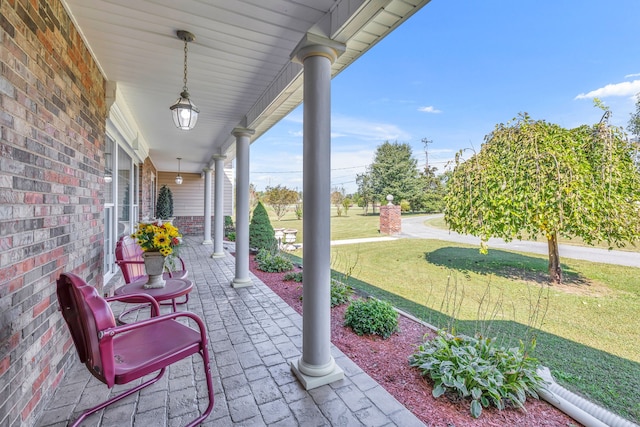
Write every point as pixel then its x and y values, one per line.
pixel 242 277
pixel 207 207
pixel 218 208
pixel 316 366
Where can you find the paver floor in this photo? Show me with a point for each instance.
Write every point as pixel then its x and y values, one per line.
pixel 253 338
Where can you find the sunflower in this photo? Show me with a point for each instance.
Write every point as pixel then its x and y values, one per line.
pixel 161 240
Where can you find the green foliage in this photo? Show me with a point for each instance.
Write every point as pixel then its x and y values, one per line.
pixel 261 235
pixel 296 276
pixel 477 369
pixel 346 204
pixel 534 178
pixel 273 262
pixel 280 198
pixel 371 316
pixel 229 227
pixel 405 206
pixel 298 211
pixel 394 171
pixel 164 204
pixel 340 293
pixel 231 236
pixel 431 198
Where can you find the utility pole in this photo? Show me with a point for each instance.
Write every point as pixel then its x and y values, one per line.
pixel 426 143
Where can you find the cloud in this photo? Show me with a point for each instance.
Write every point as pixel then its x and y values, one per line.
pixel 614 89
pixel 628 76
pixel 429 109
pixel 366 130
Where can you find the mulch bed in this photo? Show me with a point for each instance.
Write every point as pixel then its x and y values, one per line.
pixel 386 362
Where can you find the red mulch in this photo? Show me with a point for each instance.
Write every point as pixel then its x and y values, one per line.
pixel 386 362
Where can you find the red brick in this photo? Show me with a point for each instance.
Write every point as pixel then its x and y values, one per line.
pixel 32 404
pixel 41 307
pixel 4 365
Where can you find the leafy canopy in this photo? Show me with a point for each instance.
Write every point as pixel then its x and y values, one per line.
pixel 280 198
pixel 534 178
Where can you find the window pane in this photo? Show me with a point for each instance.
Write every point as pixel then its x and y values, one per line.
pixel 124 192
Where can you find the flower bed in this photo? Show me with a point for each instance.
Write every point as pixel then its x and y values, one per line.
pixel 386 361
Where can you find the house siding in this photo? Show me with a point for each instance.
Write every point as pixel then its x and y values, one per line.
pixel 52 127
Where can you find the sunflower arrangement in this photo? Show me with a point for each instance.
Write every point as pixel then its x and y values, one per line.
pixel 158 237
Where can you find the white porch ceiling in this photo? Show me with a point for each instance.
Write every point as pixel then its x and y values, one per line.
pixel 239 67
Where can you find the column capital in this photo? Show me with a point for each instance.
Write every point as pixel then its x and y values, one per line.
pixel 219 156
pixel 240 131
pixel 315 45
pixel 207 170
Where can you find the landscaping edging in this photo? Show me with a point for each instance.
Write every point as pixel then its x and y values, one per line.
pixel 580 409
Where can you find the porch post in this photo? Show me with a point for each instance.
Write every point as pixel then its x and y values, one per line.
pixel 207 207
pixel 316 366
pixel 218 207
pixel 242 278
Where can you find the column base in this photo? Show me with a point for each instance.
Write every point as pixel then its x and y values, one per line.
pixel 309 382
pixel 207 242
pixel 218 255
pixel 241 283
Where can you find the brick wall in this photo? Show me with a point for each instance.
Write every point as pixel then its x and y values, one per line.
pixel 191 225
pixel 52 126
pixel 390 219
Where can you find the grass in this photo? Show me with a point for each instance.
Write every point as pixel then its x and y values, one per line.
pixel 589 336
pixel 439 222
pixel 353 225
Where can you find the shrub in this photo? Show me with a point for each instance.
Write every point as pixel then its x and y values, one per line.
pixel 229 227
pixel 273 262
pixel 164 204
pixel 340 293
pixel 231 236
pixel 371 316
pixel 405 206
pixel 296 276
pixel 477 368
pixel 261 235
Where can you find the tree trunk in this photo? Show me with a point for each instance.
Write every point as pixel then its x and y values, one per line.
pixel 555 271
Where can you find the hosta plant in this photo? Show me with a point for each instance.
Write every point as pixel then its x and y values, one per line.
pixel 371 316
pixel 476 368
pixel 340 293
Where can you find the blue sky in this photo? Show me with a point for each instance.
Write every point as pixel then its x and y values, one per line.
pixel 456 69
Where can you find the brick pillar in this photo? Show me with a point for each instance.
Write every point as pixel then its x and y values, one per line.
pixel 390 222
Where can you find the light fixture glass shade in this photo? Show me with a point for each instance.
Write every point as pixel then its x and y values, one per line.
pixel 184 112
pixel 108 178
pixel 179 179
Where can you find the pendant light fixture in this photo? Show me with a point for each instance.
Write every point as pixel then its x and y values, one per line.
pixel 185 112
pixel 179 177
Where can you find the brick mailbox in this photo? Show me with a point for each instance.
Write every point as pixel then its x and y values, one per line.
pixel 390 220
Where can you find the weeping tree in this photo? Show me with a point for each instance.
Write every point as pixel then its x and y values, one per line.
pixel 533 178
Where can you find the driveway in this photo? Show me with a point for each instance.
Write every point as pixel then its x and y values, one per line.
pixel 414 227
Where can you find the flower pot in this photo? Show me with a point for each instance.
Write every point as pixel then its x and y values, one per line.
pixel 154 267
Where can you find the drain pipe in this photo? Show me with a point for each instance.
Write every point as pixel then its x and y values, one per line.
pixel 578 408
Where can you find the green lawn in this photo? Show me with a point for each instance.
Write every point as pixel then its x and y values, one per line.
pixel 588 337
pixel 440 223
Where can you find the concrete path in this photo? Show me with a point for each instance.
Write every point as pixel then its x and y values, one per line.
pixel 414 227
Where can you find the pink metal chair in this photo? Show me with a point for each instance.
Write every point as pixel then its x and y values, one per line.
pixel 121 354
pixel 129 259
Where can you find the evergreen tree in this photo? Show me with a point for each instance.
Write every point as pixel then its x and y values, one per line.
pixel 261 235
pixel 164 205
